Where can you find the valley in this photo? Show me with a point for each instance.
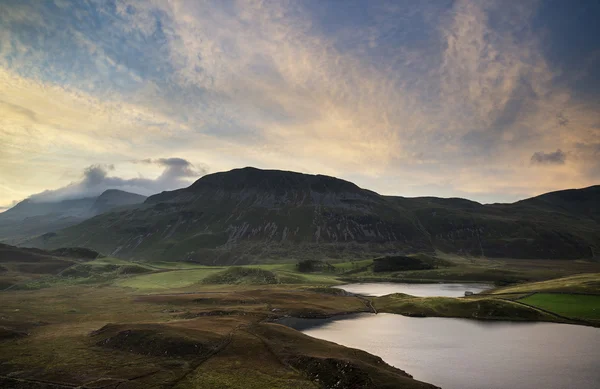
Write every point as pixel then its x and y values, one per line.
pixel 200 287
pixel 104 322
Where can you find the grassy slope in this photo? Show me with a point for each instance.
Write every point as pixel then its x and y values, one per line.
pixel 176 340
pixel 473 308
pixel 99 271
pixel 569 305
pixel 284 273
pixel 51 328
pixel 167 279
pixel 580 283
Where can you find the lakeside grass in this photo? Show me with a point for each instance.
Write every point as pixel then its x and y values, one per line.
pixel 580 283
pixel 49 334
pixel 472 308
pixel 576 306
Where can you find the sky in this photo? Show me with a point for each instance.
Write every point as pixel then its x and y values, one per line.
pixel 493 101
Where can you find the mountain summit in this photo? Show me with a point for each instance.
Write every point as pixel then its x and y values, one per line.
pixel 278 183
pixel 248 214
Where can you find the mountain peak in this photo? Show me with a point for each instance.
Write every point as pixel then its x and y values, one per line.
pixel 117 192
pixel 286 186
pixel 112 198
pixel 269 180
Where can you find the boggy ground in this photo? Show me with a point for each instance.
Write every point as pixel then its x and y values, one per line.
pixel 209 337
pixel 102 324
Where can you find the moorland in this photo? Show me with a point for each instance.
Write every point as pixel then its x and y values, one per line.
pixel 75 318
pixel 185 289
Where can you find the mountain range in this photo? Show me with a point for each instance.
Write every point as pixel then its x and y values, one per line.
pixel 249 215
pixel 30 218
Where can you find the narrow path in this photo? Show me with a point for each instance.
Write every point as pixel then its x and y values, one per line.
pixel 367 302
pixel 220 348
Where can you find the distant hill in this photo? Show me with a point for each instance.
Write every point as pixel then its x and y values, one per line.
pixel 113 198
pixel 18 264
pixel 247 215
pixel 30 218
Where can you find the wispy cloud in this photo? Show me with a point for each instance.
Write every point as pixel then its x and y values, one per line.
pixel 402 97
pixel 177 173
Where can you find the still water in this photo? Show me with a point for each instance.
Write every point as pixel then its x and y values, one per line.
pixel 421 290
pixel 468 354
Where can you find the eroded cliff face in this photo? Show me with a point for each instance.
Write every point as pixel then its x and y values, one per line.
pixel 249 214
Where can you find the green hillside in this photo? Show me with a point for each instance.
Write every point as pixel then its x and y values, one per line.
pixel 250 215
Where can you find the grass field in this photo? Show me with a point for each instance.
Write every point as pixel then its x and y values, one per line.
pixel 85 336
pixel 167 279
pixel 473 308
pixel 569 305
pixel 173 279
pixel 110 323
pixel 580 283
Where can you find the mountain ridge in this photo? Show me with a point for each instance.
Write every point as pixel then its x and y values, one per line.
pixel 248 214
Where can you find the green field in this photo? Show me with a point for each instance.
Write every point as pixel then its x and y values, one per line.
pixel 173 279
pixel 580 283
pixel 569 305
pixel 472 308
pixel 168 279
pixel 98 323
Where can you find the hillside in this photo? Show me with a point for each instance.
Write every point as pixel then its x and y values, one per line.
pixel 246 215
pixel 560 224
pixel 18 264
pixel 31 218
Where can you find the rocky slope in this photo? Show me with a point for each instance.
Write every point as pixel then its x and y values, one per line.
pixel 247 215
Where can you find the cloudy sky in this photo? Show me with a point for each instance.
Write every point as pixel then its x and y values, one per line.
pixel 489 100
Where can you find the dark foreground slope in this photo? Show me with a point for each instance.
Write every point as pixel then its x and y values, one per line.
pixel 249 214
pixel 76 337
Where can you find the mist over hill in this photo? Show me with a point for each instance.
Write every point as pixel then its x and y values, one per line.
pixel 31 217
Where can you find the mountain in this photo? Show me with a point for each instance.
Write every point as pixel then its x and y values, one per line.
pixel 540 227
pixel 113 198
pixel 246 215
pixel 30 218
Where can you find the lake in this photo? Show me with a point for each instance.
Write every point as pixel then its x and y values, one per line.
pixel 421 290
pixel 469 354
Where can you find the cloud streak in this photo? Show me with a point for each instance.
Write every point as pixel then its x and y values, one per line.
pixel 402 97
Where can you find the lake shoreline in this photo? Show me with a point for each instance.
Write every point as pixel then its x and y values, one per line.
pixel 424 348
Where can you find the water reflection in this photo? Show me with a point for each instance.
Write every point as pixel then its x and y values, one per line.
pixel 466 354
pixel 422 290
